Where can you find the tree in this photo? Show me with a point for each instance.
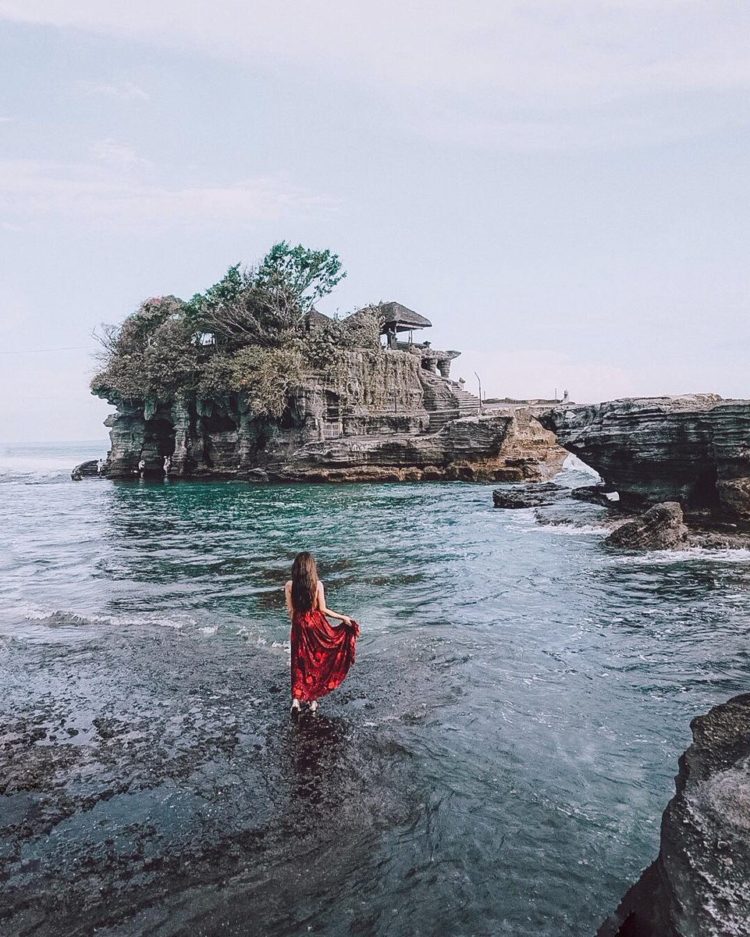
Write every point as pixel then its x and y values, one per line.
pixel 297 276
pixel 260 306
pixel 257 319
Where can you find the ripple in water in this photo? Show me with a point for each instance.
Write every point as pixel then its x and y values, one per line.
pixel 497 762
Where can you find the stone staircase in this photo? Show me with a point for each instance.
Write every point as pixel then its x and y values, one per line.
pixel 445 401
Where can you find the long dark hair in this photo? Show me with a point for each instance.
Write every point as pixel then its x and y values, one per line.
pixel 304 582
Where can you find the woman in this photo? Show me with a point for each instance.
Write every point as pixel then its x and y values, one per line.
pixel 321 654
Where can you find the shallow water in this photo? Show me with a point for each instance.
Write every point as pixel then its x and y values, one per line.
pixel 497 762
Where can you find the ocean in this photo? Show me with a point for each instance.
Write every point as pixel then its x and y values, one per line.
pixel 497 761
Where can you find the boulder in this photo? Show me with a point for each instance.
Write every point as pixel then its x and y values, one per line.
pixel 662 527
pixel 596 494
pixel 699 886
pixel 89 469
pixel 257 475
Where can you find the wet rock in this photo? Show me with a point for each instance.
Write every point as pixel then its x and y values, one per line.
pixel 662 527
pixel 192 792
pixel 720 540
pixel 596 494
pixel 108 727
pixel 699 886
pixel 530 496
pixel 90 469
pixel 693 449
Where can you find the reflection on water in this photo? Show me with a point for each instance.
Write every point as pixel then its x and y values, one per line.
pixel 497 761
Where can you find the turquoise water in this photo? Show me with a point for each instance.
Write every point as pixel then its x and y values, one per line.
pixel 513 722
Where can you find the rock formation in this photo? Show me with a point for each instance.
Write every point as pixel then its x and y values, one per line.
pixel 693 449
pixel 388 419
pixel 536 495
pixel 90 469
pixel 699 886
pixel 662 527
pixel 530 496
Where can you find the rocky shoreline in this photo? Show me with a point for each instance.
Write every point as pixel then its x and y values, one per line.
pixel 148 784
pixel 693 449
pixel 699 886
pixel 661 527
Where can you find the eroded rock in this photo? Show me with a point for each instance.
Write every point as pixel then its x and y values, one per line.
pixel 699 886
pixel 387 419
pixel 693 449
pixel 662 527
pixel 530 496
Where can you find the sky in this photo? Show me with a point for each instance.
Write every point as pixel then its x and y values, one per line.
pixel 561 186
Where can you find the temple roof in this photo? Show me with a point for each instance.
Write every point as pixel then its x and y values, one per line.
pixel 314 318
pixel 401 318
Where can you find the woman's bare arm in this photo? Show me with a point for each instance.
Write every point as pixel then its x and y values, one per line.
pixel 327 611
pixel 288 597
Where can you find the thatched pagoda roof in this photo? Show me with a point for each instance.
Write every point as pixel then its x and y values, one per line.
pixel 400 318
pixel 314 319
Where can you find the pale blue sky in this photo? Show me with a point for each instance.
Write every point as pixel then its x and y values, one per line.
pixel 562 187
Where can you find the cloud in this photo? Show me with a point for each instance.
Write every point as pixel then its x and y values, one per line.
pixel 525 48
pixel 519 74
pixel 31 190
pixel 121 91
pixel 594 128
pixel 120 155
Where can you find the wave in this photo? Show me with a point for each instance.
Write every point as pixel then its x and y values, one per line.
pixel 45 463
pixel 572 528
pixel 686 554
pixel 56 619
pixel 34 623
pixel 33 471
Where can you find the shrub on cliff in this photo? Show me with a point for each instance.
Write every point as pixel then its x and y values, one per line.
pixel 324 345
pixel 249 333
pixel 266 376
pixel 152 354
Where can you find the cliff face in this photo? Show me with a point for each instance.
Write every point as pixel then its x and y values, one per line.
pixel 383 418
pixel 693 449
pixel 700 884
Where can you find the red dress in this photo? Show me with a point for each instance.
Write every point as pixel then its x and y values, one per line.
pixel 321 654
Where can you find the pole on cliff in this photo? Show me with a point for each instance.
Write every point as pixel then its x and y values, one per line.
pixel 479 381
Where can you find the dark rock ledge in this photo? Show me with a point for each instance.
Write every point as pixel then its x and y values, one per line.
pixel 699 886
pixel 541 494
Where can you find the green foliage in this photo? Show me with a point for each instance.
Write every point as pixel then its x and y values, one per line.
pixel 216 376
pixel 151 355
pixel 228 290
pixel 267 376
pixel 261 339
pixel 262 306
pixel 299 275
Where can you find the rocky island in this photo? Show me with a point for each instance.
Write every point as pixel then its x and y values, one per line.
pixel 249 380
